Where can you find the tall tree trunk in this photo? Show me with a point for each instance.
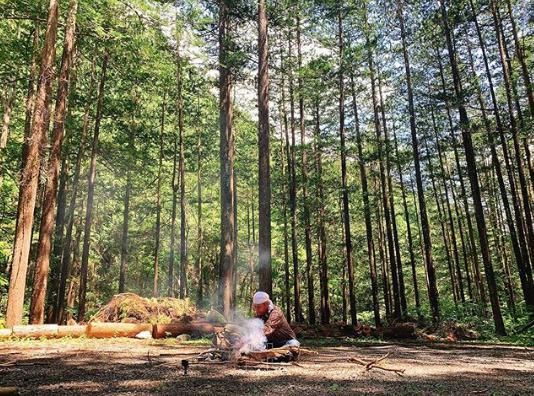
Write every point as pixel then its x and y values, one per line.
pixel 91 191
pixel 264 169
pixel 200 230
pixel 399 274
pixel 37 307
pixel 383 185
pixel 30 174
pixel 67 241
pixel 472 244
pixel 227 140
pixel 155 287
pixel 286 179
pixel 344 187
pixel 181 163
pixel 366 208
pixel 473 176
pixel 9 101
pixel 304 170
pixel 408 227
pixel 125 229
pixel 425 227
pixel 293 192
pixel 456 256
pixel 321 231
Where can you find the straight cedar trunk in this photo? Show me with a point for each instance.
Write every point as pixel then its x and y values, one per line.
pixel 181 162
pixel 507 78
pixel 382 251
pixel 30 174
pixel 264 169
pixel 400 274
pixel 366 208
pixel 31 92
pixel 473 176
pixel 286 179
pixel 37 307
pixel 155 286
pixel 293 192
pixel 125 228
pixel 91 191
pixel 66 255
pixel 411 247
pixel 425 227
pixel 227 153
pixel 517 236
pixel 304 172
pixel 463 192
pixel 174 187
pixel 344 187
pixel 458 273
pixel 396 311
pixel 200 230
pixel 321 232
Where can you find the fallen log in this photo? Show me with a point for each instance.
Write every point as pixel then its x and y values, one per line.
pixel 71 331
pixel 36 331
pixel 8 390
pixel 176 329
pixel 110 330
pixel 5 333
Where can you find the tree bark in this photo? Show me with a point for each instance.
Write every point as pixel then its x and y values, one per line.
pixel 227 140
pixel 40 278
pixel 264 175
pixel 344 187
pixel 155 287
pixel 30 174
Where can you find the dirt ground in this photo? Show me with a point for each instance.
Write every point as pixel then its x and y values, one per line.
pixel 142 367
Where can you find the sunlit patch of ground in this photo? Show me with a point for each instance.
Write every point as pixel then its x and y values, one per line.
pixel 141 367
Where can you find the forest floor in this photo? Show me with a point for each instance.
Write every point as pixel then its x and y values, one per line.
pixel 141 367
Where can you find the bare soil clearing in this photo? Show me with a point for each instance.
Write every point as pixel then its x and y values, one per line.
pixel 140 367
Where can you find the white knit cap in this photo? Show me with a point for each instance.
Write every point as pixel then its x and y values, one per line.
pixel 260 297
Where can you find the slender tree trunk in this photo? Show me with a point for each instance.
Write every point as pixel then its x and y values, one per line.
pixel 399 274
pixel 30 174
pixel 67 241
pixel 125 228
pixel 200 230
pixel 397 311
pixel 425 227
pixel 366 208
pixel 91 191
pixel 293 192
pixel 37 307
pixel 456 256
pixel 472 244
pixel 344 187
pixel 181 164
pixel 9 101
pixel 264 176
pixel 286 179
pixel 473 177
pixel 228 221
pixel 411 247
pixel 155 287
pixel 305 200
pixel 321 231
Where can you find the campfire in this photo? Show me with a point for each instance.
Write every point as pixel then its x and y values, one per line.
pixel 244 344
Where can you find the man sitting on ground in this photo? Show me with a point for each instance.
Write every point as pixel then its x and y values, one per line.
pixel 276 328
